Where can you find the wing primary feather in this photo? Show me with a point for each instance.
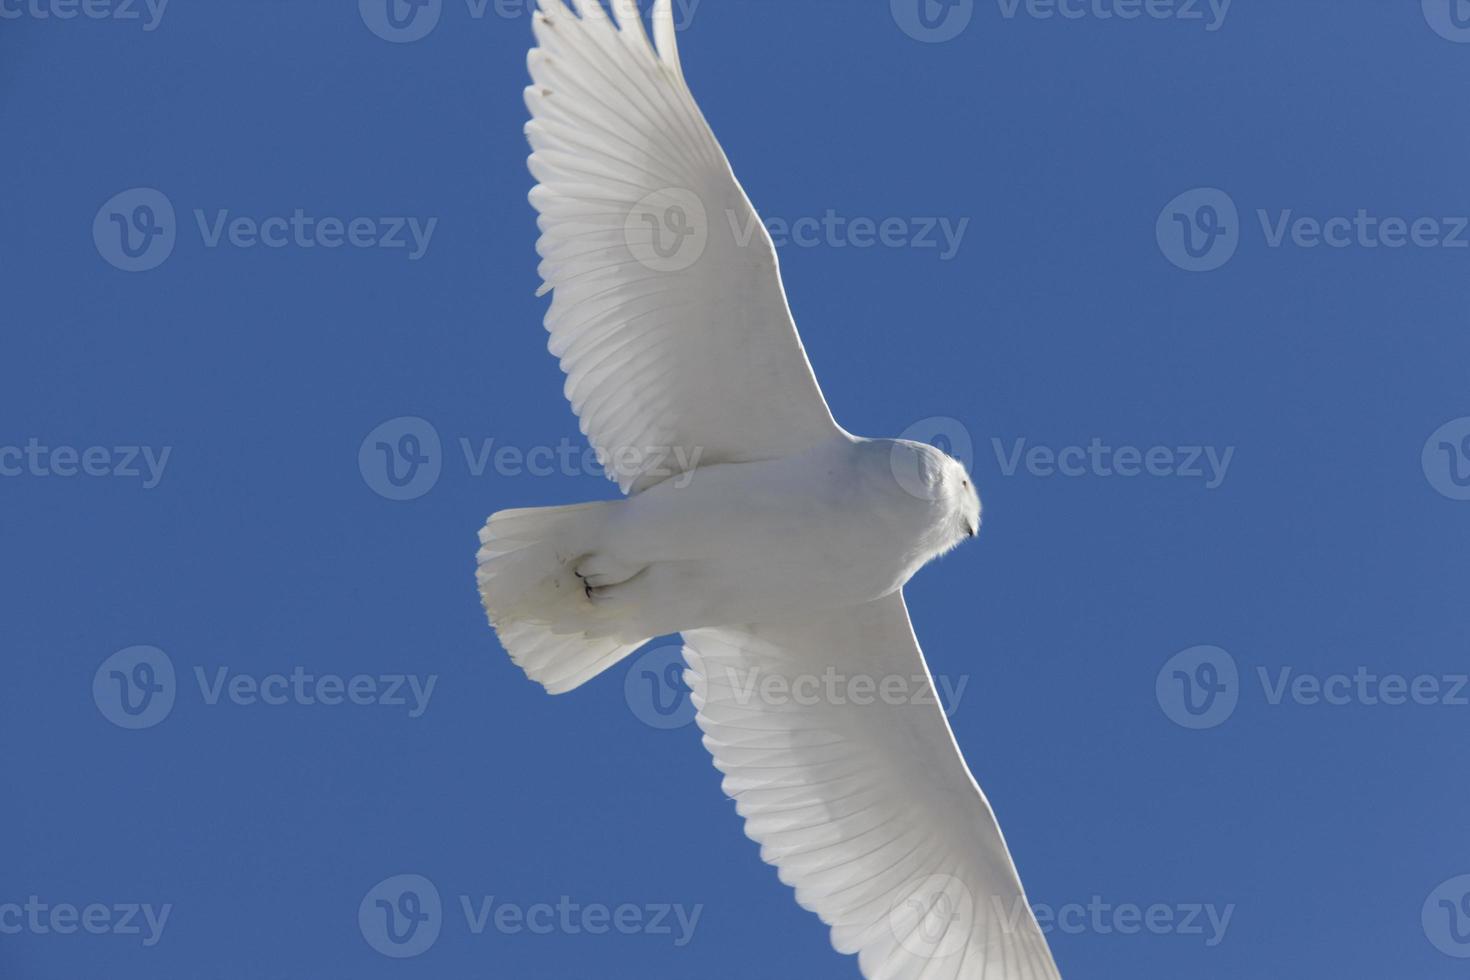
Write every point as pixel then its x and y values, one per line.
pixel 666 38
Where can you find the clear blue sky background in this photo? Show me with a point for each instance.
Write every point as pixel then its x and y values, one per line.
pixel 1327 547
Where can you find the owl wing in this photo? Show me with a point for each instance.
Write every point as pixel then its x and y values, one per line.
pixel 862 800
pixel 667 310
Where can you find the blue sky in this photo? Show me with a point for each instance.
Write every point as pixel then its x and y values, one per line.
pixel 1190 285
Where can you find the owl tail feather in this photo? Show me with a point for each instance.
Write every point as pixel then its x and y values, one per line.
pixel 539 607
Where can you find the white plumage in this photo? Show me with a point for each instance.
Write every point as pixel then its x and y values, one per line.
pixel 612 126
pixel 777 543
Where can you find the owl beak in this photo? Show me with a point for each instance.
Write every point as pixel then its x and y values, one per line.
pixel 969 530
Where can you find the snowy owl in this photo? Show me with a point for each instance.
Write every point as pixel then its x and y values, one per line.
pixel 774 541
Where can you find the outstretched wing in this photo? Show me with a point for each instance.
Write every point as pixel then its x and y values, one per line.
pixel 667 311
pixel 861 798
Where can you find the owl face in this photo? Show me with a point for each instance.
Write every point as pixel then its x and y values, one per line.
pixel 943 485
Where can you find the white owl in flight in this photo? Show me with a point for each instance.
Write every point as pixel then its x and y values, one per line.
pixel 776 542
